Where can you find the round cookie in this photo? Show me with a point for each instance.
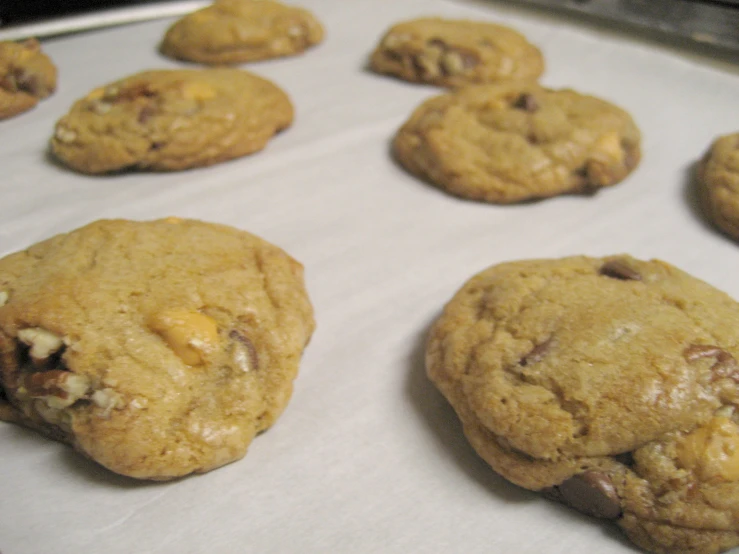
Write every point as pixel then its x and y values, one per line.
pixel 453 53
pixel 239 31
pixel 158 348
pixel 169 120
pixel 718 174
pixel 518 141
pixel 609 384
pixel 26 76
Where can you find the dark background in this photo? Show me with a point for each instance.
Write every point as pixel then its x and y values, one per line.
pixel 13 12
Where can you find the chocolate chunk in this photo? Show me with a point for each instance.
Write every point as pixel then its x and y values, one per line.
pixel 591 493
pixel 618 269
pixel 526 102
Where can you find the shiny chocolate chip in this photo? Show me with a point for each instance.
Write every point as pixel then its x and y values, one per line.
pixel 591 493
pixel 618 269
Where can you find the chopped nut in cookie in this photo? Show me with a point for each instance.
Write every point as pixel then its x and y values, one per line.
pixel 107 399
pixel 243 351
pixel 43 343
pixel 712 451
pixel 65 135
pixel 57 388
pixel 725 365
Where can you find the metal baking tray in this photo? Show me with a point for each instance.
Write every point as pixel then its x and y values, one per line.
pixel 704 21
pixel 44 18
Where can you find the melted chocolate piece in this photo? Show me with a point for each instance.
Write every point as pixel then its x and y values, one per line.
pixel 591 493
pixel 618 269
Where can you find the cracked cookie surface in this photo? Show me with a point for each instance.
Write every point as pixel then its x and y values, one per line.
pixel 239 31
pixel 170 120
pixel 518 141
pixel 608 384
pixel 718 174
pixel 453 53
pixel 27 75
pixel 157 349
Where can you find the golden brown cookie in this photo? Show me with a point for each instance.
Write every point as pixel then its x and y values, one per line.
pixel 609 384
pixel 452 53
pixel 518 141
pixel 26 76
pixel 171 119
pixel 239 31
pixel 157 348
pixel 718 174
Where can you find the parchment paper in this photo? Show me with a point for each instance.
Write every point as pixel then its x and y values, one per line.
pixel 368 457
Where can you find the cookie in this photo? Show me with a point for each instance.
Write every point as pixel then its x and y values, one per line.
pixel 518 141
pixel 26 76
pixel 157 349
pixel 718 175
pixel 609 384
pixel 239 31
pixel 453 53
pixel 169 120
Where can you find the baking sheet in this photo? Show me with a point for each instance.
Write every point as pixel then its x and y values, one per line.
pixel 367 457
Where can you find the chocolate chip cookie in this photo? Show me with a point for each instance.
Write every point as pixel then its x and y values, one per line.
pixel 511 142
pixel 718 176
pixel 26 76
pixel 170 120
pixel 239 31
pixel 158 348
pixel 452 53
pixel 609 384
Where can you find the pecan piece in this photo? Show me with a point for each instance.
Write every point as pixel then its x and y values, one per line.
pixel 725 365
pixel 243 351
pixel 42 343
pixel 57 388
